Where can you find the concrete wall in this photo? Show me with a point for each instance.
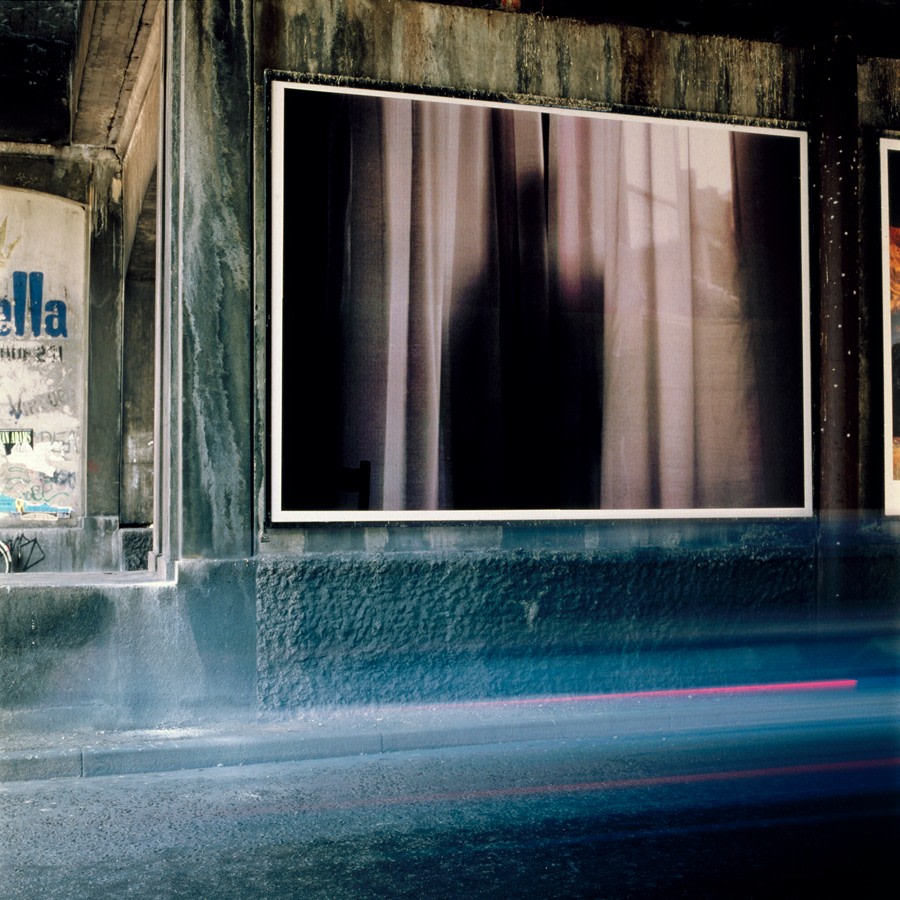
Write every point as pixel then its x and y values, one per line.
pixel 420 627
pixel 207 463
pixel 91 177
pixel 75 654
pixel 414 612
pixel 281 618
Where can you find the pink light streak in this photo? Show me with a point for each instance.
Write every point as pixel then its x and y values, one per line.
pixel 781 687
pixel 618 784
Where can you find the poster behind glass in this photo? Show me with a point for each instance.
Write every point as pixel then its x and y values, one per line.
pixel 511 312
pixel 890 172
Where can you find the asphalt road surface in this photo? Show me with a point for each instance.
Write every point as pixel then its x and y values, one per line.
pixel 780 810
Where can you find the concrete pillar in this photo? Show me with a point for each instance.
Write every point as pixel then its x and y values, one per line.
pixel 205 506
pixel 836 155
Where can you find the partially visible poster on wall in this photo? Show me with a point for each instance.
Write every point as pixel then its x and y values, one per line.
pixel 43 269
pixel 890 232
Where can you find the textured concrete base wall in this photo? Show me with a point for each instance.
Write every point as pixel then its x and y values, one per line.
pixel 286 633
pixel 346 628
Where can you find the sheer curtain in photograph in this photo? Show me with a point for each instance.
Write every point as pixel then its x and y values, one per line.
pixel 516 309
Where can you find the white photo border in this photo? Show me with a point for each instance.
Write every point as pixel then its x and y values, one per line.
pixel 891 484
pixel 278 515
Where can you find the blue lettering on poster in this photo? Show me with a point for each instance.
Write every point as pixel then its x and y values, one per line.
pixel 28 308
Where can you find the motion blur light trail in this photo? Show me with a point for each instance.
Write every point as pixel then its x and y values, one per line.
pixel 785 788
pixel 617 784
pixel 843 684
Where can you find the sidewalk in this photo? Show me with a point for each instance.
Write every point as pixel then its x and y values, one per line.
pixel 372 730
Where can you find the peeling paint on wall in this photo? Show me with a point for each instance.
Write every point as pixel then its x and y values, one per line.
pixel 42 316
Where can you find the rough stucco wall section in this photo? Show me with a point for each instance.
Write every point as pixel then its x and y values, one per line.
pixel 496 52
pixel 349 628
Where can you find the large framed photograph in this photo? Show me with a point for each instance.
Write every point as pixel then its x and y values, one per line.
pixel 890 236
pixel 489 310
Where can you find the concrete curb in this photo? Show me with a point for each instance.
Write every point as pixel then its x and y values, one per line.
pixel 234 750
pixel 202 753
pixel 244 750
pixel 372 732
pixel 29 765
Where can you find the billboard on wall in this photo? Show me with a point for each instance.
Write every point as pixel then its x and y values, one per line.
pixel 43 276
pixel 487 310
pixel 890 236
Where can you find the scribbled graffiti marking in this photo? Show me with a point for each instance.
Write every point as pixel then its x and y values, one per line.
pixel 41 493
pixel 60 477
pixel 51 400
pixel 14 478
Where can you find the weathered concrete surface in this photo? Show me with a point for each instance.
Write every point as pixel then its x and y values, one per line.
pixel 287 633
pixel 348 614
pixel 139 373
pixel 349 628
pixel 54 644
pixel 127 654
pixel 879 92
pixel 482 50
pixel 208 229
